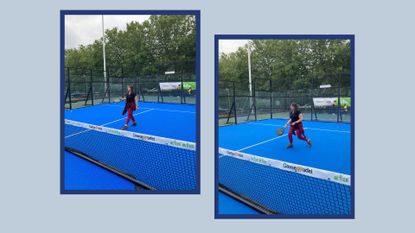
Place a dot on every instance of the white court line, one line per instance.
(71, 135)
(272, 139)
(316, 129)
(275, 138)
(328, 130)
(260, 143)
(256, 123)
(159, 109)
(126, 117)
(108, 123)
(170, 110)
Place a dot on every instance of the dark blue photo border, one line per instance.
(63, 13)
(352, 75)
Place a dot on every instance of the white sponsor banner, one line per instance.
(325, 86)
(325, 101)
(303, 170)
(133, 135)
(170, 86)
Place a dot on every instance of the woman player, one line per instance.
(296, 125)
(131, 104)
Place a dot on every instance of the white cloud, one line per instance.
(85, 29)
(229, 46)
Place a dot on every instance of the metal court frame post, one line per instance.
(69, 88)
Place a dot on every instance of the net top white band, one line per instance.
(133, 135)
(303, 170)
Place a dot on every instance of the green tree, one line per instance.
(291, 64)
(158, 44)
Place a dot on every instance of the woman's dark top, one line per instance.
(295, 116)
(130, 98)
(129, 102)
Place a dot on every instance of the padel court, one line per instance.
(157, 154)
(255, 168)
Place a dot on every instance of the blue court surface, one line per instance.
(83, 175)
(176, 121)
(254, 163)
(159, 152)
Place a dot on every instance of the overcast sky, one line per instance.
(85, 29)
(229, 46)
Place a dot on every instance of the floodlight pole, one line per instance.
(103, 53)
(249, 74)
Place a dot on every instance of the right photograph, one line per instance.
(284, 126)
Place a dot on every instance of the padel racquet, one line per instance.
(280, 131)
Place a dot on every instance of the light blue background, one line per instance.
(29, 151)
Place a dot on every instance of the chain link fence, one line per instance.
(330, 100)
(86, 87)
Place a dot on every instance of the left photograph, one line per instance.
(130, 102)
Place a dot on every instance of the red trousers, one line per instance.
(299, 130)
(130, 115)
